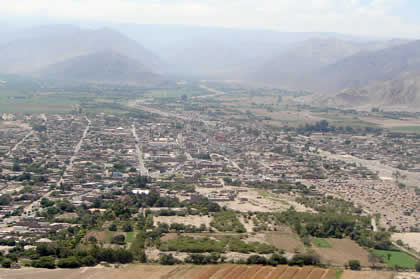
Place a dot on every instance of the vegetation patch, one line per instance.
(396, 258)
(226, 221)
(321, 242)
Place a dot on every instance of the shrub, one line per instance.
(44, 262)
(70, 262)
(127, 227)
(113, 227)
(168, 259)
(354, 265)
(226, 221)
(297, 259)
(6, 263)
(88, 261)
(277, 259)
(118, 239)
(255, 259)
(92, 239)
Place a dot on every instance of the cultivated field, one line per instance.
(174, 272)
(367, 275)
(342, 251)
(288, 242)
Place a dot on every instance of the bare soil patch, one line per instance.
(100, 236)
(342, 251)
(174, 272)
(411, 239)
(194, 220)
(366, 275)
(288, 242)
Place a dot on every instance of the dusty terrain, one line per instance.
(407, 275)
(187, 220)
(342, 251)
(256, 202)
(411, 239)
(173, 272)
(367, 275)
(289, 242)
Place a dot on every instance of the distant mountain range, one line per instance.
(315, 64)
(68, 52)
(346, 69)
(400, 92)
(105, 66)
(350, 73)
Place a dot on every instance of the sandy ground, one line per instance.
(342, 251)
(193, 272)
(255, 203)
(288, 242)
(130, 272)
(411, 239)
(384, 171)
(366, 275)
(407, 275)
(194, 220)
(248, 224)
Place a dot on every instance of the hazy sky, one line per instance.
(392, 18)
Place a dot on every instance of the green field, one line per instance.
(410, 129)
(175, 93)
(332, 116)
(393, 258)
(321, 242)
(129, 237)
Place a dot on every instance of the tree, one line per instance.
(45, 250)
(277, 259)
(88, 261)
(44, 262)
(354, 264)
(255, 259)
(418, 266)
(168, 259)
(16, 167)
(6, 263)
(118, 239)
(92, 239)
(113, 227)
(127, 227)
(70, 262)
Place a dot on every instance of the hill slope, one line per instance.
(402, 91)
(298, 66)
(44, 46)
(105, 66)
(289, 66)
(362, 69)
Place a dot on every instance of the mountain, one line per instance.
(303, 65)
(105, 66)
(289, 66)
(402, 91)
(220, 53)
(366, 67)
(42, 48)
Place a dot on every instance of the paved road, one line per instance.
(19, 143)
(212, 90)
(385, 171)
(28, 210)
(75, 152)
(139, 149)
(181, 143)
(227, 159)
